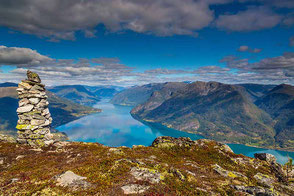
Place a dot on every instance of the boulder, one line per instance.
(265, 157)
(218, 145)
(264, 180)
(72, 180)
(225, 173)
(150, 175)
(255, 190)
(167, 142)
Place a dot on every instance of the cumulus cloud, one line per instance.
(274, 70)
(21, 56)
(61, 19)
(111, 71)
(252, 19)
(58, 20)
(247, 49)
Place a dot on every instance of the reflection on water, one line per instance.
(114, 126)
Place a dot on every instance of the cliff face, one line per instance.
(214, 110)
(169, 166)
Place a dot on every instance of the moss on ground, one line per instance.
(183, 170)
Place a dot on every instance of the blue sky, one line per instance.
(165, 41)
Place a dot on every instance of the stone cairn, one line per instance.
(33, 113)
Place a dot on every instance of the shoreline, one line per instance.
(154, 124)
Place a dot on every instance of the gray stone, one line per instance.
(33, 113)
(13, 180)
(218, 145)
(265, 157)
(26, 108)
(72, 180)
(19, 157)
(45, 112)
(146, 174)
(37, 87)
(264, 180)
(34, 100)
(36, 122)
(254, 190)
(23, 102)
(25, 85)
(226, 173)
(134, 189)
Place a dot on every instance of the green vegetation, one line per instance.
(225, 112)
(289, 168)
(76, 93)
(187, 169)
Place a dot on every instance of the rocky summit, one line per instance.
(34, 118)
(170, 166)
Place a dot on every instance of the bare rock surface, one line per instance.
(134, 189)
(146, 174)
(72, 180)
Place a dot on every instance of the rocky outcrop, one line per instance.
(265, 157)
(72, 180)
(276, 168)
(167, 142)
(181, 167)
(7, 138)
(33, 113)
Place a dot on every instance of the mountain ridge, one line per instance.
(234, 109)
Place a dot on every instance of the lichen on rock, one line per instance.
(33, 113)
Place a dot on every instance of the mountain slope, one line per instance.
(8, 84)
(62, 110)
(256, 91)
(279, 103)
(214, 110)
(138, 94)
(107, 91)
(76, 93)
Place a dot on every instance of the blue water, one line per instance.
(114, 126)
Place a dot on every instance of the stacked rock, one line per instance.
(33, 113)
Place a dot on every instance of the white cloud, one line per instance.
(253, 19)
(21, 56)
(61, 19)
(110, 71)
